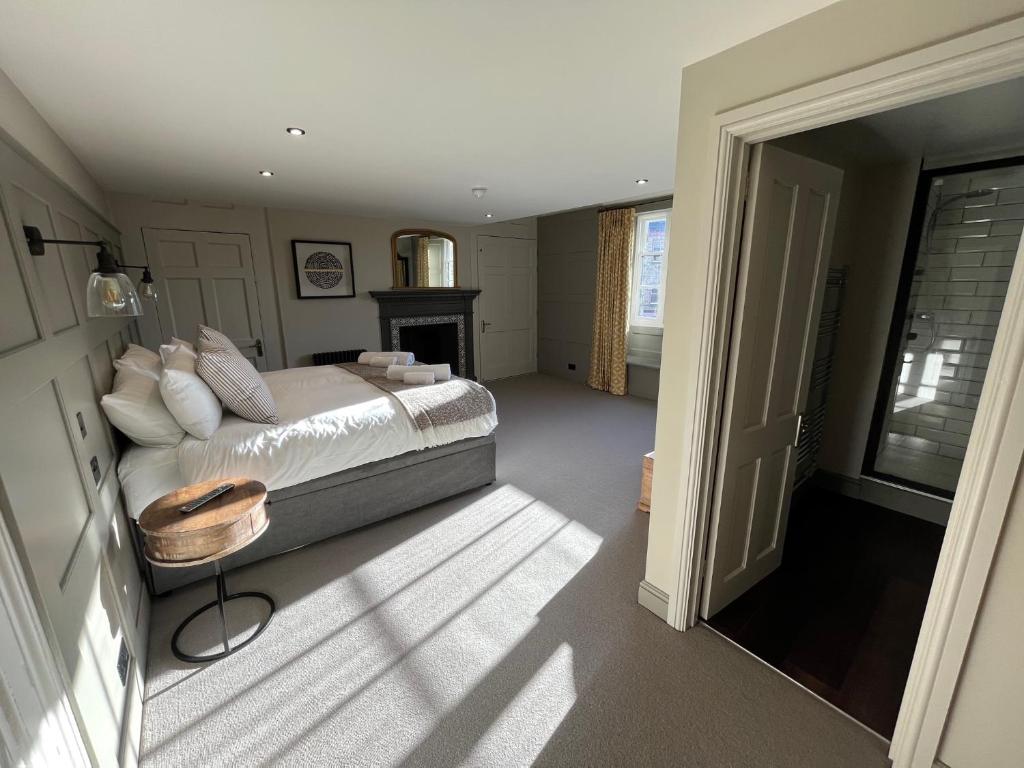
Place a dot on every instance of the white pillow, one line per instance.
(136, 408)
(166, 349)
(140, 359)
(189, 399)
(135, 352)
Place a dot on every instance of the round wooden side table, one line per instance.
(221, 526)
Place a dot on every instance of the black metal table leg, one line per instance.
(221, 593)
(222, 597)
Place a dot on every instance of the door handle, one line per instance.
(256, 345)
(799, 423)
(483, 326)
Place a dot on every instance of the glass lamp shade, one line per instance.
(111, 294)
(147, 290)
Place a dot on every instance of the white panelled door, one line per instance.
(208, 278)
(507, 268)
(787, 240)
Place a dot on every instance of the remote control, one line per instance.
(195, 504)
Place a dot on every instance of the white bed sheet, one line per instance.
(330, 420)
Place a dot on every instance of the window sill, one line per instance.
(643, 362)
(647, 330)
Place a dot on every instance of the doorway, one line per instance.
(507, 270)
(831, 588)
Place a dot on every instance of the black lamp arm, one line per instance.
(37, 247)
(37, 243)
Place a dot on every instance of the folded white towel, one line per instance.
(418, 377)
(383, 361)
(442, 371)
(405, 358)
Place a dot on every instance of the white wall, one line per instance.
(296, 328)
(69, 528)
(984, 726)
(27, 131)
(873, 250)
(837, 39)
(323, 325)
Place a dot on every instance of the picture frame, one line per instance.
(323, 269)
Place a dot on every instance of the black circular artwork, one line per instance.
(324, 270)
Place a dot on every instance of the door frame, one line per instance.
(994, 454)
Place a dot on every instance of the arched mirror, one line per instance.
(424, 258)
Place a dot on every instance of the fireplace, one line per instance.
(432, 342)
(436, 325)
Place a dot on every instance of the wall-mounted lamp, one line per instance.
(109, 292)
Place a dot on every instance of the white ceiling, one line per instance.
(552, 104)
(980, 120)
(944, 131)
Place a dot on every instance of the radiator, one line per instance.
(812, 427)
(341, 356)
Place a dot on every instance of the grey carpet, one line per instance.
(498, 628)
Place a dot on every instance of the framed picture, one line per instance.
(323, 269)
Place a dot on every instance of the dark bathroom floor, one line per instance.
(842, 614)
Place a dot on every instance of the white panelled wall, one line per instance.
(59, 494)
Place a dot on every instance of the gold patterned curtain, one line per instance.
(615, 232)
(422, 262)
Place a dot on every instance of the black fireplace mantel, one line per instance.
(397, 306)
(409, 302)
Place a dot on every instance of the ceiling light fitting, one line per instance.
(488, 215)
(295, 131)
(479, 192)
(642, 181)
(266, 173)
(109, 292)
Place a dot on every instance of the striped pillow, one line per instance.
(233, 379)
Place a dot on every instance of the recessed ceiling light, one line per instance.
(641, 181)
(266, 173)
(488, 215)
(295, 131)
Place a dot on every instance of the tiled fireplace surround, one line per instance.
(442, 307)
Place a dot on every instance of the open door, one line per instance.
(787, 240)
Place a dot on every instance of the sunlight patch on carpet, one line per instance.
(373, 661)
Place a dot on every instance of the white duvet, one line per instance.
(330, 420)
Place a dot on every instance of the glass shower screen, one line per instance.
(947, 312)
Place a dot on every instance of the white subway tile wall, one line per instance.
(963, 267)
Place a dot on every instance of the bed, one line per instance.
(346, 453)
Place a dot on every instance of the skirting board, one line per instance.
(902, 500)
(653, 599)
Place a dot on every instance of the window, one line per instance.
(649, 254)
(441, 261)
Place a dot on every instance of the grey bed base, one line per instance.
(321, 508)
